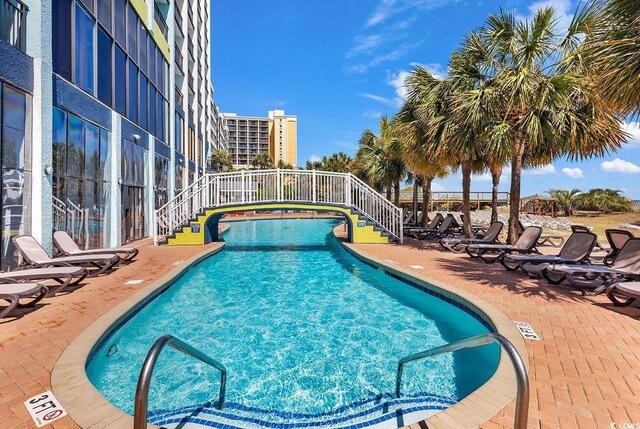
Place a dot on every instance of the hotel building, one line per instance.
(275, 135)
(106, 113)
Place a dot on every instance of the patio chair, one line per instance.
(617, 239)
(476, 229)
(553, 240)
(629, 291)
(64, 276)
(526, 244)
(14, 292)
(34, 256)
(458, 245)
(65, 244)
(413, 231)
(576, 250)
(626, 266)
(443, 230)
(582, 228)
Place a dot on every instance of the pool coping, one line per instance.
(89, 408)
(500, 390)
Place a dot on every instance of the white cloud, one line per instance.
(377, 60)
(372, 114)
(633, 129)
(396, 80)
(574, 173)
(314, 158)
(365, 45)
(564, 11)
(619, 166)
(541, 171)
(486, 176)
(389, 8)
(437, 187)
(435, 69)
(378, 98)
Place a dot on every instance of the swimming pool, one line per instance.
(310, 336)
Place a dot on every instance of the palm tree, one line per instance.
(284, 165)
(566, 200)
(604, 200)
(220, 160)
(379, 159)
(545, 103)
(262, 161)
(612, 49)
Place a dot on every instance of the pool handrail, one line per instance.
(522, 381)
(144, 379)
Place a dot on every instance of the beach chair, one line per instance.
(65, 244)
(526, 244)
(458, 245)
(617, 239)
(628, 291)
(576, 250)
(582, 228)
(14, 292)
(64, 276)
(413, 231)
(443, 230)
(626, 266)
(553, 240)
(34, 256)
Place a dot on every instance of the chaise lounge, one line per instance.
(628, 290)
(14, 292)
(526, 244)
(65, 244)
(576, 250)
(34, 256)
(64, 276)
(413, 231)
(458, 245)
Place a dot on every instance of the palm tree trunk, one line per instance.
(514, 193)
(414, 217)
(466, 197)
(389, 192)
(496, 171)
(426, 200)
(396, 193)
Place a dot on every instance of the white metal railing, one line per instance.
(273, 186)
(71, 218)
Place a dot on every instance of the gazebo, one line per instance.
(538, 204)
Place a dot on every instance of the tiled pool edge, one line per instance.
(500, 390)
(69, 381)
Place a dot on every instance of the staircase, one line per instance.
(372, 218)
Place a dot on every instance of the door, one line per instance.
(133, 221)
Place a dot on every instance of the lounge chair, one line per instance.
(458, 245)
(34, 256)
(65, 244)
(526, 244)
(14, 292)
(576, 250)
(443, 230)
(413, 231)
(476, 228)
(617, 239)
(628, 290)
(65, 276)
(553, 240)
(625, 267)
(582, 228)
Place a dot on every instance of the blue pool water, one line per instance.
(307, 332)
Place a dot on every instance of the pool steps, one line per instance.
(381, 412)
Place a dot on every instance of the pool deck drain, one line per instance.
(585, 373)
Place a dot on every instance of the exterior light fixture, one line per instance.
(136, 136)
(48, 170)
(119, 181)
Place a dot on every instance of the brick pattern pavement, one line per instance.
(584, 373)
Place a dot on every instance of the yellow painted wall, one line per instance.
(292, 142)
(143, 12)
(362, 233)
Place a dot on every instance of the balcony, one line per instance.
(13, 23)
(179, 59)
(179, 97)
(162, 23)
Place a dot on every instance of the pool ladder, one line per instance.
(522, 392)
(144, 379)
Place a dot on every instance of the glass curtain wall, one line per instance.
(16, 172)
(133, 191)
(161, 180)
(80, 188)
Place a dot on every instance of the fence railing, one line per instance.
(13, 23)
(271, 186)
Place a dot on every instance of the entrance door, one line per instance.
(132, 213)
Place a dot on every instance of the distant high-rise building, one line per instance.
(250, 136)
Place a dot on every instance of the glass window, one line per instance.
(75, 147)
(179, 126)
(179, 177)
(161, 171)
(142, 48)
(132, 33)
(59, 141)
(104, 154)
(152, 62)
(104, 13)
(121, 81)
(104, 67)
(14, 108)
(159, 70)
(61, 44)
(159, 122)
(133, 92)
(152, 110)
(119, 15)
(143, 102)
(91, 151)
(84, 50)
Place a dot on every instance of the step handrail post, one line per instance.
(522, 381)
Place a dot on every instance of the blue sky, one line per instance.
(339, 65)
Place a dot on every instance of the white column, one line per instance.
(113, 211)
(150, 181)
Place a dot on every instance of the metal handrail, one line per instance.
(144, 379)
(522, 394)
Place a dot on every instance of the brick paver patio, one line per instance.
(584, 373)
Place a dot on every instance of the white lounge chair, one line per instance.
(65, 244)
(14, 292)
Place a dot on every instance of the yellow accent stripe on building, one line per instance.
(143, 12)
(361, 232)
(162, 43)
